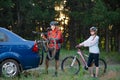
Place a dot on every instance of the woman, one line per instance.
(92, 43)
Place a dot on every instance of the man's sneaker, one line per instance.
(46, 72)
(55, 75)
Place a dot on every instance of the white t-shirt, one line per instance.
(92, 42)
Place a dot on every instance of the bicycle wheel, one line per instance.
(102, 67)
(66, 65)
(41, 57)
(51, 48)
(42, 48)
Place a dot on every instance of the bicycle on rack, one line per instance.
(43, 46)
(71, 64)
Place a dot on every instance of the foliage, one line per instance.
(113, 70)
(26, 13)
(23, 16)
(99, 13)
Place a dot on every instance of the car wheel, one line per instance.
(9, 68)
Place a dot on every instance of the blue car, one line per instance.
(16, 54)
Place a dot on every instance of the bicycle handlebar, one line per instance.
(34, 32)
(41, 41)
(78, 47)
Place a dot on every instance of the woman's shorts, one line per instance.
(93, 57)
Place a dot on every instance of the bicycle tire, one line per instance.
(42, 48)
(102, 67)
(67, 68)
(41, 57)
(51, 51)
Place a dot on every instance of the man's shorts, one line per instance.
(56, 55)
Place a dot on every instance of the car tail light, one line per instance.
(35, 48)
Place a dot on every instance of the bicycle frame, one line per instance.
(45, 45)
(46, 48)
(82, 57)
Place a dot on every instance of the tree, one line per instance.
(25, 15)
(77, 12)
(6, 12)
(99, 13)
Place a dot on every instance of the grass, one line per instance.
(112, 73)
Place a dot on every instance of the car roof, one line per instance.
(10, 35)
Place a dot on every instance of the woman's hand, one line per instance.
(78, 46)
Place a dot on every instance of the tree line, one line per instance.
(24, 16)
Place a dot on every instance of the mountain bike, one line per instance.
(43, 46)
(72, 65)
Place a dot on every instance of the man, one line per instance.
(56, 34)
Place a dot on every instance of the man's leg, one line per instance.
(56, 65)
(57, 62)
(47, 62)
(46, 65)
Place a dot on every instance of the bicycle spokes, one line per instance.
(51, 48)
(102, 67)
(70, 65)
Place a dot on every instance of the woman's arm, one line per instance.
(91, 42)
(84, 43)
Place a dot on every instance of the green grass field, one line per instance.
(113, 70)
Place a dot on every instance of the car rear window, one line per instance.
(3, 37)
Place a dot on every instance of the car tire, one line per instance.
(9, 68)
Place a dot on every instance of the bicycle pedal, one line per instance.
(86, 68)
